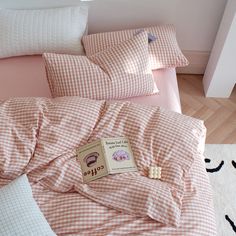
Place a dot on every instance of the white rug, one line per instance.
(221, 167)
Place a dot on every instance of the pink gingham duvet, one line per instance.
(39, 137)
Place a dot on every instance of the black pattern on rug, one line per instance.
(221, 166)
(231, 223)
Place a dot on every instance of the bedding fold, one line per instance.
(39, 137)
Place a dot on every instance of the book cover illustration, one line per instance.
(106, 156)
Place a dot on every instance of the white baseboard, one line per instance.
(197, 62)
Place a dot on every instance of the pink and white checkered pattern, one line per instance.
(46, 133)
(118, 72)
(163, 52)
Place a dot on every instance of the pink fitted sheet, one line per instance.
(26, 77)
(168, 96)
(23, 77)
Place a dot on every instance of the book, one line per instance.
(106, 156)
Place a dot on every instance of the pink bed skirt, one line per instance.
(26, 77)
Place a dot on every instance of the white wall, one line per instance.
(196, 21)
(220, 76)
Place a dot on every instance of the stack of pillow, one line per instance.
(117, 64)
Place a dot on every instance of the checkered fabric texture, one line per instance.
(34, 31)
(20, 214)
(40, 136)
(118, 72)
(164, 52)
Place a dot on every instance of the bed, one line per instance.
(47, 114)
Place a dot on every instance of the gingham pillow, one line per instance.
(164, 51)
(20, 214)
(118, 72)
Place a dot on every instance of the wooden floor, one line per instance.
(219, 114)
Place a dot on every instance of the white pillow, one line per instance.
(29, 32)
(19, 213)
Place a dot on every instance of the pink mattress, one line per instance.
(25, 77)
